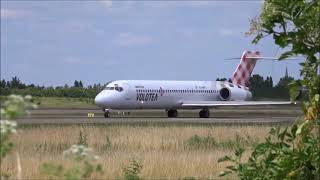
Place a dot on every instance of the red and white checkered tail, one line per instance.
(243, 72)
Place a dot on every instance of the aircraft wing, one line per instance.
(233, 103)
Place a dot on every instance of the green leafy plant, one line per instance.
(84, 165)
(132, 171)
(15, 106)
(7, 128)
(294, 154)
(279, 157)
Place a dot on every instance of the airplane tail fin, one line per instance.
(243, 72)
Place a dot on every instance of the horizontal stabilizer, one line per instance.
(264, 58)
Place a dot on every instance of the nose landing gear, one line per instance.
(106, 113)
(204, 113)
(172, 113)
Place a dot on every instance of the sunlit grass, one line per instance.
(164, 151)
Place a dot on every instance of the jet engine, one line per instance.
(234, 93)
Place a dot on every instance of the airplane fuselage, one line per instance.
(147, 94)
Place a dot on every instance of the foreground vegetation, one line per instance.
(294, 153)
(169, 152)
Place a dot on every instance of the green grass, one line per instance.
(60, 102)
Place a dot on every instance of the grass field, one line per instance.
(61, 102)
(166, 152)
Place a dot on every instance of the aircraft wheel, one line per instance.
(205, 113)
(172, 113)
(106, 114)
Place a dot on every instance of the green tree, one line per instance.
(282, 88)
(76, 83)
(16, 83)
(261, 88)
(80, 84)
(3, 83)
(294, 25)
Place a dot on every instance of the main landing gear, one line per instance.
(204, 113)
(172, 113)
(106, 113)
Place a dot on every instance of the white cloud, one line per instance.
(9, 13)
(129, 39)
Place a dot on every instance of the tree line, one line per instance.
(260, 88)
(77, 90)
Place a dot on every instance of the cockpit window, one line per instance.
(117, 88)
(109, 88)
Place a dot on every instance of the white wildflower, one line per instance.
(79, 152)
(28, 97)
(7, 127)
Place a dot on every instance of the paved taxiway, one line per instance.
(223, 116)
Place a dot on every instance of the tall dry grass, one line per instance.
(162, 150)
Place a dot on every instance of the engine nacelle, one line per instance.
(234, 93)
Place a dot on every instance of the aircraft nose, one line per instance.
(98, 100)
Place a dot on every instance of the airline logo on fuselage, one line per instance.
(147, 97)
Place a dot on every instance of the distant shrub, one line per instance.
(82, 139)
(132, 171)
(207, 142)
(197, 141)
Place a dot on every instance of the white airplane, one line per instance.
(174, 95)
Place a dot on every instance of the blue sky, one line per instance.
(56, 42)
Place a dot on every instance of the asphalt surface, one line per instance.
(221, 116)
